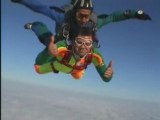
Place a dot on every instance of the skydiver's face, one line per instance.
(83, 16)
(83, 45)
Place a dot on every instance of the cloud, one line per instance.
(30, 102)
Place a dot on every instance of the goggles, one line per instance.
(80, 16)
(79, 42)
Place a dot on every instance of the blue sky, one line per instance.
(133, 45)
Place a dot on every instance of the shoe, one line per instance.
(28, 26)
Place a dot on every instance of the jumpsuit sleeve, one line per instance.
(44, 60)
(115, 17)
(99, 64)
(39, 7)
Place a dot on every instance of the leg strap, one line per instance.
(53, 68)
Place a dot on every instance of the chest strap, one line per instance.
(67, 57)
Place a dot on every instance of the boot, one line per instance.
(28, 26)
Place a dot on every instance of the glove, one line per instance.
(16, 1)
(143, 16)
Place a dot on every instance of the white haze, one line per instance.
(30, 102)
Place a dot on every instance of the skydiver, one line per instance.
(82, 14)
(72, 59)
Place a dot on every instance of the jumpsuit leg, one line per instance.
(42, 32)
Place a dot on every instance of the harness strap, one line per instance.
(53, 68)
(66, 59)
(88, 60)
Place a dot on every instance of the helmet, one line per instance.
(85, 4)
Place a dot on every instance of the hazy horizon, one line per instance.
(24, 101)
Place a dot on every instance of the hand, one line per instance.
(109, 71)
(16, 1)
(143, 16)
(52, 47)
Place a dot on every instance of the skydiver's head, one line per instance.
(83, 42)
(83, 10)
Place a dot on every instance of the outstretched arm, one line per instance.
(39, 7)
(109, 71)
(104, 71)
(119, 16)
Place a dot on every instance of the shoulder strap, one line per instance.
(88, 60)
(67, 58)
(93, 17)
(68, 7)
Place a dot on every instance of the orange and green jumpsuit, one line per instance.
(66, 62)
